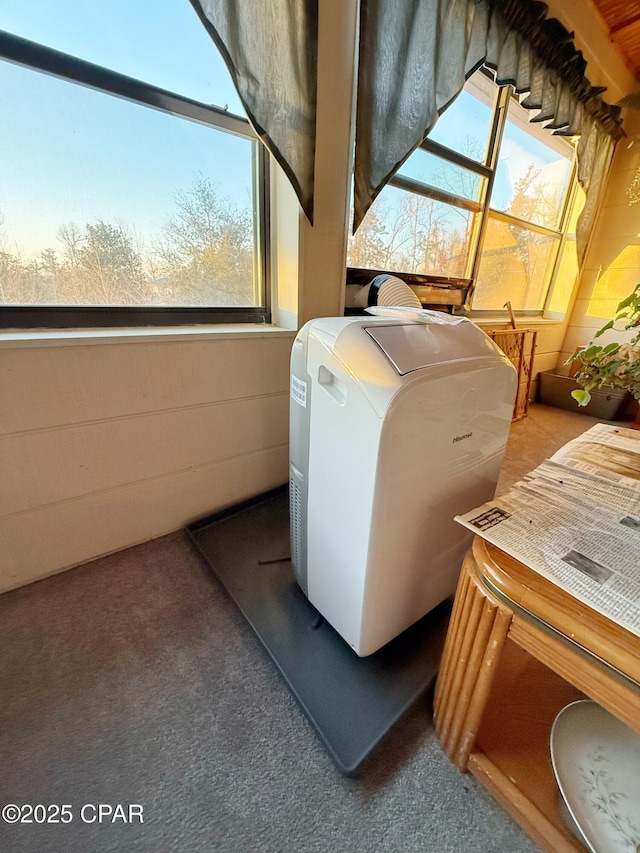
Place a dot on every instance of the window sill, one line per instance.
(522, 322)
(86, 337)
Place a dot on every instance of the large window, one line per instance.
(427, 219)
(486, 199)
(526, 216)
(123, 202)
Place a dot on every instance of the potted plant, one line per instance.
(614, 364)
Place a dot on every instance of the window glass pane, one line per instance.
(532, 175)
(464, 126)
(565, 277)
(428, 169)
(104, 202)
(161, 42)
(515, 266)
(567, 268)
(404, 232)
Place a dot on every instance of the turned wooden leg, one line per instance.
(477, 632)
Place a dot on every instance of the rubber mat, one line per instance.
(351, 702)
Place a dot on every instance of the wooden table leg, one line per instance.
(477, 633)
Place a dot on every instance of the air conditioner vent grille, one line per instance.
(295, 512)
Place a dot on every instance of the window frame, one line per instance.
(47, 60)
(487, 170)
(412, 185)
(505, 95)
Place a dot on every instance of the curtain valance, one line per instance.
(414, 58)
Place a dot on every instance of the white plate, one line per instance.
(596, 759)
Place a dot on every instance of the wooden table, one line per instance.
(519, 649)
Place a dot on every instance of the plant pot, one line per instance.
(608, 404)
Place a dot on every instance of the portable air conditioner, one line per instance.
(399, 422)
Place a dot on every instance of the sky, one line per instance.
(160, 41)
(465, 126)
(71, 154)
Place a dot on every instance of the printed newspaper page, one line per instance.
(612, 453)
(576, 520)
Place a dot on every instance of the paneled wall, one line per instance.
(111, 443)
(612, 267)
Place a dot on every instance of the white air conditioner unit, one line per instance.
(398, 423)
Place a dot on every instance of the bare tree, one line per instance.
(368, 243)
(515, 257)
(71, 238)
(100, 265)
(206, 257)
(415, 235)
(207, 252)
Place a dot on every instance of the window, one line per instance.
(484, 199)
(162, 43)
(426, 220)
(123, 203)
(525, 220)
(408, 231)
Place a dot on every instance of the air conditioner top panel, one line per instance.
(412, 346)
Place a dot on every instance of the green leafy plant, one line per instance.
(616, 364)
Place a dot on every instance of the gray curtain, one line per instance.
(595, 150)
(271, 49)
(415, 56)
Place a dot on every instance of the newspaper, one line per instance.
(576, 520)
(608, 452)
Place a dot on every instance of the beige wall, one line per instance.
(612, 265)
(617, 222)
(112, 443)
